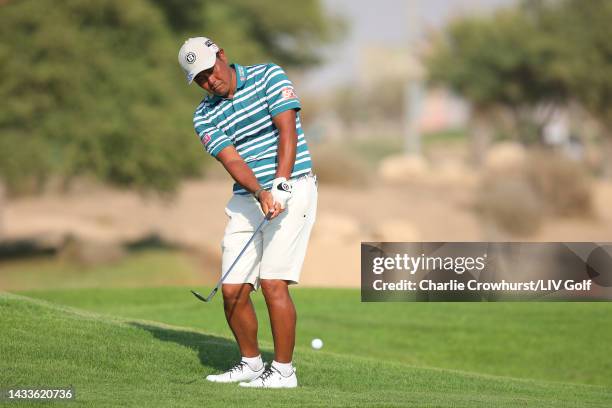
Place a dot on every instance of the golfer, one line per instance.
(250, 123)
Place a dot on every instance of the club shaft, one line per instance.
(263, 222)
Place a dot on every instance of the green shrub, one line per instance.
(511, 204)
(519, 199)
(562, 185)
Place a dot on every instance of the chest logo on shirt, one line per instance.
(288, 93)
(206, 139)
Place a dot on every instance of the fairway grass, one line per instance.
(553, 341)
(126, 361)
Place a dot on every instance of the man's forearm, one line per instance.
(243, 175)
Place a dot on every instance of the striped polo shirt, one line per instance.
(245, 121)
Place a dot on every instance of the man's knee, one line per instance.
(236, 293)
(275, 290)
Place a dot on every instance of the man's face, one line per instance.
(216, 80)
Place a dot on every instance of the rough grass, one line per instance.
(112, 361)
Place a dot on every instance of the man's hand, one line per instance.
(281, 191)
(268, 205)
(238, 169)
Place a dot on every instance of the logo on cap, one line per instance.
(190, 57)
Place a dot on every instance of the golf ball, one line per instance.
(316, 344)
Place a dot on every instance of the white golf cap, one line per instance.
(197, 55)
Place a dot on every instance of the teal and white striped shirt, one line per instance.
(245, 121)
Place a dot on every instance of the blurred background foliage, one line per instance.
(511, 105)
(529, 60)
(94, 90)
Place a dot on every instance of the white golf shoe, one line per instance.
(272, 378)
(239, 372)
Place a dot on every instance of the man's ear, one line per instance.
(221, 55)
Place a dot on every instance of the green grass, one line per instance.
(372, 151)
(449, 136)
(551, 341)
(154, 267)
(114, 361)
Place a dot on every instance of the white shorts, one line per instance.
(278, 250)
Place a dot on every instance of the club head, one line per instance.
(196, 294)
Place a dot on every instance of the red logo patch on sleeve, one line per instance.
(206, 139)
(288, 93)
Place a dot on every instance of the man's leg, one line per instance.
(244, 216)
(285, 241)
(241, 317)
(282, 317)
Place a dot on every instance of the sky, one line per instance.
(389, 22)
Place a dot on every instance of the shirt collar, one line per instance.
(240, 76)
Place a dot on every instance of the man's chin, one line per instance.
(220, 91)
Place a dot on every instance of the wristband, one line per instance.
(257, 192)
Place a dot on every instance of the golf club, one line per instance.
(214, 291)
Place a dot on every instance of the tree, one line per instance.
(288, 33)
(503, 63)
(584, 57)
(93, 88)
(90, 91)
